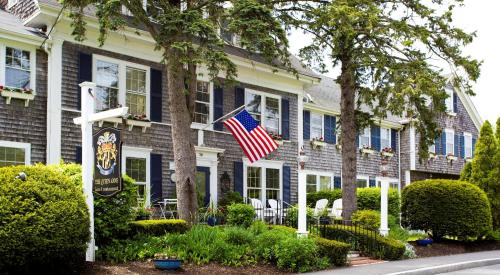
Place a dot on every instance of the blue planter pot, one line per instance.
(167, 264)
(212, 221)
(424, 242)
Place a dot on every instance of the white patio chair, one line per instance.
(260, 211)
(274, 208)
(320, 207)
(336, 209)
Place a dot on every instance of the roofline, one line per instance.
(469, 106)
(21, 37)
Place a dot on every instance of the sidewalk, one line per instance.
(425, 265)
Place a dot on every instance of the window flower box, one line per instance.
(451, 158)
(138, 121)
(277, 138)
(16, 93)
(114, 120)
(367, 151)
(432, 156)
(387, 153)
(318, 143)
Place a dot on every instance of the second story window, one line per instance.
(385, 138)
(265, 109)
(449, 100)
(136, 91)
(107, 85)
(364, 138)
(468, 145)
(202, 106)
(432, 148)
(450, 141)
(17, 68)
(316, 126)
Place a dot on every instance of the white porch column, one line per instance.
(88, 107)
(54, 102)
(301, 188)
(384, 190)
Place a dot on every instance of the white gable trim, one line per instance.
(469, 106)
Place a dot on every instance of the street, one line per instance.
(485, 270)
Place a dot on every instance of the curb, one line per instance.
(449, 267)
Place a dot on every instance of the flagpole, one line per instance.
(224, 116)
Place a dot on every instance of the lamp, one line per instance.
(302, 159)
(384, 167)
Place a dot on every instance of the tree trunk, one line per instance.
(184, 153)
(348, 139)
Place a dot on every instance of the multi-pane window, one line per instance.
(136, 91)
(264, 109)
(311, 183)
(263, 183)
(450, 141)
(315, 182)
(468, 145)
(17, 68)
(385, 138)
(136, 169)
(107, 85)
(316, 126)
(362, 182)
(325, 183)
(272, 183)
(449, 100)
(202, 105)
(254, 181)
(364, 138)
(12, 156)
(432, 148)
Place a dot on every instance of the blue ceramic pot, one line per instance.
(424, 242)
(167, 264)
(212, 221)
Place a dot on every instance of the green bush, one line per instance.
(230, 198)
(240, 214)
(292, 216)
(111, 215)
(369, 219)
(366, 241)
(368, 199)
(238, 235)
(44, 220)
(158, 227)
(446, 208)
(334, 250)
(299, 255)
(258, 227)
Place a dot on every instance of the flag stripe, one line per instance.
(268, 147)
(243, 135)
(270, 141)
(239, 139)
(252, 139)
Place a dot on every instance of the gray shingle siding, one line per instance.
(28, 124)
(24, 8)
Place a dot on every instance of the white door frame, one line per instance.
(208, 157)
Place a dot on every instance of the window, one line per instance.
(254, 182)
(450, 141)
(432, 148)
(14, 153)
(17, 68)
(385, 138)
(263, 181)
(316, 125)
(272, 184)
(362, 182)
(311, 183)
(264, 108)
(325, 183)
(202, 105)
(317, 181)
(121, 83)
(449, 100)
(468, 145)
(136, 163)
(364, 138)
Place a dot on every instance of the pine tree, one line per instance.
(466, 173)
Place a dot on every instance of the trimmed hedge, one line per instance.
(336, 251)
(240, 214)
(369, 219)
(368, 199)
(44, 221)
(366, 241)
(446, 208)
(158, 227)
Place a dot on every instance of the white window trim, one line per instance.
(264, 164)
(122, 78)
(450, 134)
(389, 180)
(390, 137)
(449, 101)
(369, 138)
(199, 126)
(19, 145)
(263, 103)
(367, 178)
(136, 152)
(20, 46)
(319, 174)
(468, 135)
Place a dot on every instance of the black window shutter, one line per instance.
(329, 129)
(78, 154)
(443, 144)
(473, 145)
(156, 178)
(285, 119)
(337, 182)
(456, 152)
(156, 95)
(462, 146)
(239, 96)
(84, 73)
(375, 136)
(286, 184)
(455, 102)
(307, 125)
(437, 145)
(372, 182)
(218, 107)
(334, 129)
(393, 140)
(238, 177)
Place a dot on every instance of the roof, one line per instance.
(11, 23)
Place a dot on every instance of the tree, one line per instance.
(187, 33)
(385, 50)
(466, 173)
(498, 130)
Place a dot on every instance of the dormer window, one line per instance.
(228, 36)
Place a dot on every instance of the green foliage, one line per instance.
(292, 215)
(446, 208)
(158, 227)
(44, 220)
(238, 235)
(334, 250)
(299, 255)
(368, 199)
(369, 219)
(240, 214)
(258, 227)
(230, 198)
(466, 173)
(368, 242)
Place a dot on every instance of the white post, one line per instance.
(88, 107)
(302, 193)
(54, 102)
(384, 190)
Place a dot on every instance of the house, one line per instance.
(37, 126)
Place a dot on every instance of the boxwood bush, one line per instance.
(369, 219)
(44, 220)
(240, 214)
(336, 251)
(368, 199)
(446, 208)
(158, 227)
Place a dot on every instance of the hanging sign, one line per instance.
(107, 162)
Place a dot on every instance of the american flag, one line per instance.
(253, 139)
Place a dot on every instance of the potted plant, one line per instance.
(166, 261)
(450, 157)
(367, 150)
(387, 152)
(138, 121)
(318, 142)
(432, 156)
(213, 214)
(143, 213)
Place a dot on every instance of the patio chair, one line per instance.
(336, 209)
(320, 207)
(260, 211)
(274, 208)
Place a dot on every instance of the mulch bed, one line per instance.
(147, 268)
(450, 247)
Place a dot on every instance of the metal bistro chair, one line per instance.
(168, 207)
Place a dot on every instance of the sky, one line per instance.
(477, 15)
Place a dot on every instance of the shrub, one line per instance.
(44, 220)
(292, 216)
(369, 219)
(240, 214)
(334, 250)
(330, 195)
(111, 215)
(265, 243)
(238, 235)
(158, 227)
(446, 208)
(230, 198)
(367, 241)
(299, 254)
(258, 227)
